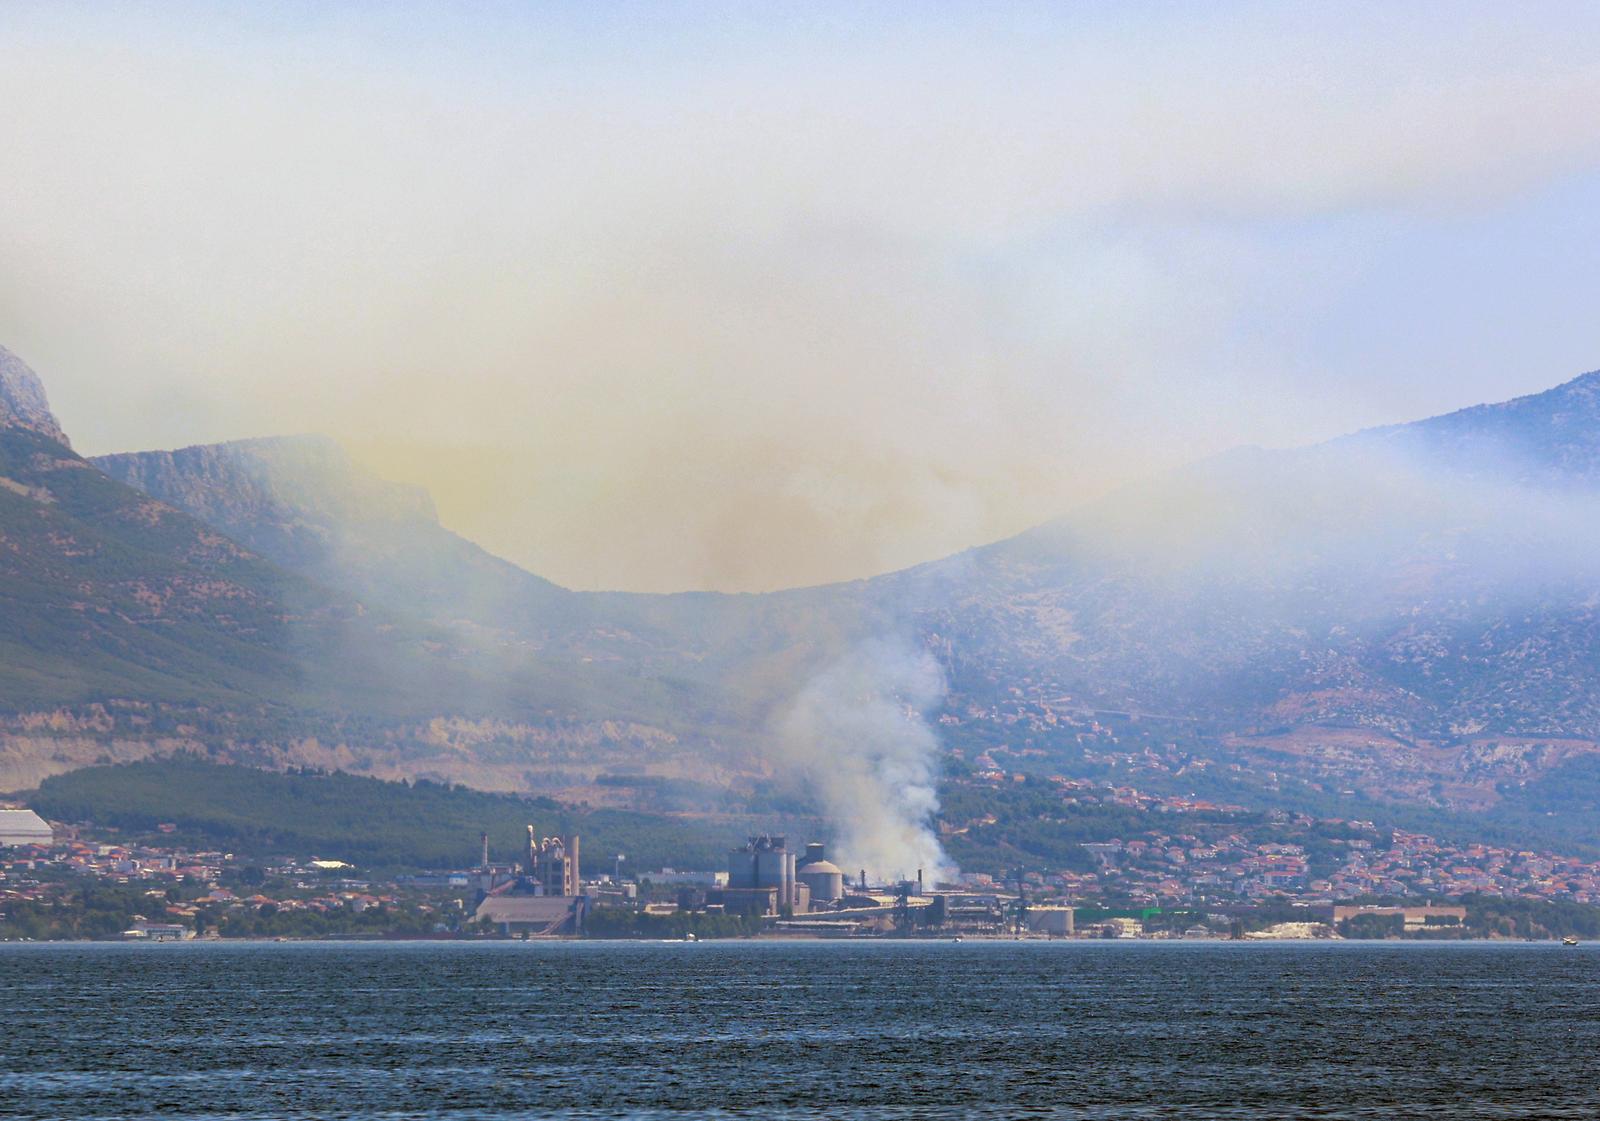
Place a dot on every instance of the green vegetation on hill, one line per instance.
(368, 822)
(102, 596)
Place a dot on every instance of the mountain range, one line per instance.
(1405, 616)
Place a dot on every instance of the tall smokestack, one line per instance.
(573, 883)
(920, 892)
(484, 840)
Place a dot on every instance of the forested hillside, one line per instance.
(371, 823)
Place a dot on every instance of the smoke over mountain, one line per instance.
(858, 731)
(698, 313)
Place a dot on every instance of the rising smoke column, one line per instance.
(858, 730)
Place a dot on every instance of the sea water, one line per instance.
(794, 1029)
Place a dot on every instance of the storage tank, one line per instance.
(822, 876)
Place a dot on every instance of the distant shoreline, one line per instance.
(793, 940)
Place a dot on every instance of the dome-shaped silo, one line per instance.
(824, 879)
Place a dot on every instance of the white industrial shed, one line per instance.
(24, 827)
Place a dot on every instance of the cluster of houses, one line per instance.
(1180, 868)
(1172, 866)
(34, 855)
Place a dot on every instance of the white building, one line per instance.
(24, 827)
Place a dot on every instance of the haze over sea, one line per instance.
(879, 1030)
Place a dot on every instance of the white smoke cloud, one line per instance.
(858, 730)
(659, 299)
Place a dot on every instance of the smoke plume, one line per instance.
(858, 730)
(743, 301)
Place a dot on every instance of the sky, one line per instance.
(666, 297)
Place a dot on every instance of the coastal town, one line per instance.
(1191, 868)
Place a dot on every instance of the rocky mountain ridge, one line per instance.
(1410, 613)
(300, 502)
(1549, 438)
(1384, 579)
(23, 403)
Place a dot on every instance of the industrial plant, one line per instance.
(541, 896)
(766, 883)
(808, 894)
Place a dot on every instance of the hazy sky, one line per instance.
(746, 296)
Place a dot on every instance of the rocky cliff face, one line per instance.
(291, 499)
(22, 400)
(302, 503)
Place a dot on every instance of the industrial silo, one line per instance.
(775, 868)
(822, 876)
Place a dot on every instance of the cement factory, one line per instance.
(543, 895)
(797, 894)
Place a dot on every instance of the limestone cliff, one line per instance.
(22, 400)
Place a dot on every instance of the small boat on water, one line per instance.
(1569, 941)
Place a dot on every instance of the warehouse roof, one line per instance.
(549, 911)
(24, 827)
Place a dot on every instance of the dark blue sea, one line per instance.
(776, 1030)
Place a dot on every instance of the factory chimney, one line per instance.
(920, 892)
(573, 884)
(483, 838)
